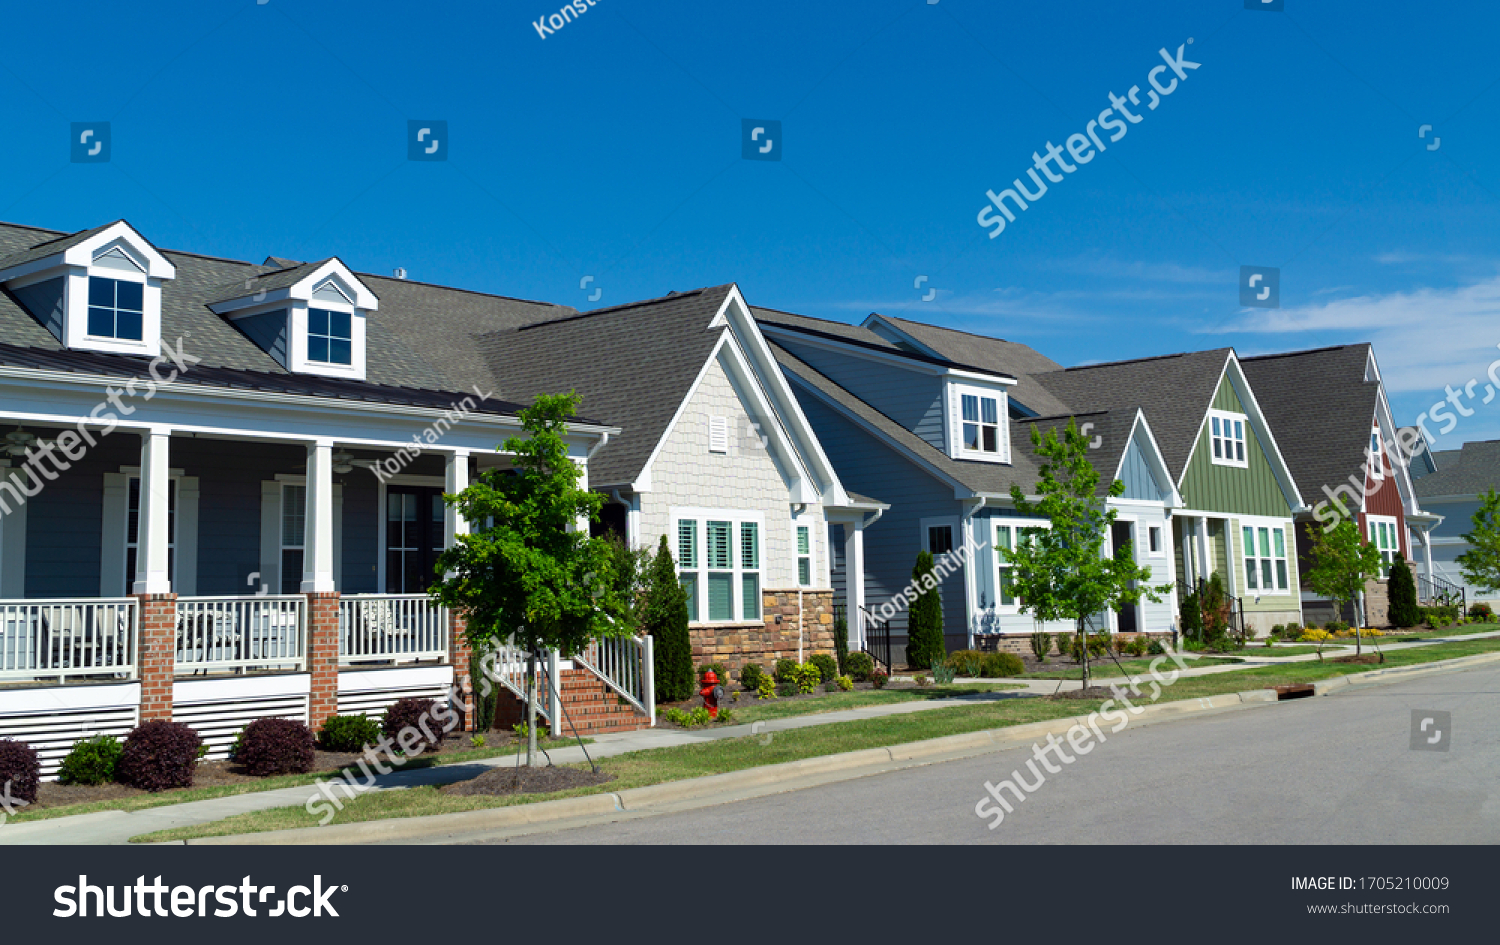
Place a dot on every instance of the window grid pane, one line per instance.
(687, 543)
(718, 540)
(720, 596)
(750, 596)
(803, 542)
(749, 545)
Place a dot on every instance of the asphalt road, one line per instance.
(1333, 769)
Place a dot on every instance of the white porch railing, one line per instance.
(505, 665)
(626, 664)
(391, 628)
(43, 640)
(239, 634)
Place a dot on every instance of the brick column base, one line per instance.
(459, 654)
(323, 656)
(158, 654)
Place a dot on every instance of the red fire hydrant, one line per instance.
(711, 692)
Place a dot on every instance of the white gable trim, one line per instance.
(82, 254)
(302, 291)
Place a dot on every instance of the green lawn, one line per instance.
(1108, 669)
(749, 709)
(1255, 651)
(638, 769)
(186, 795)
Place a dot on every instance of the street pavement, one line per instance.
(1335, 769)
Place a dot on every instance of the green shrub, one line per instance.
(665, 617)
(690, 719)
(924, 634)
(921, 680)
(486, 697)
(1155, 648)
(92, 761)
(20, 769)
(158, 756)
(1336, 626)
(943, 672)
(1190, 615)
(1482, 611)
(879, 678)
(860, 666)
(845, 683)
(786, 670)
(806, 678)
(788, 689)
(1098, 645)
(720, 671)
(1041, 645)
(1138, 645)
(349, 733)
(1402, 591)
(276, 746)
(766, 688)
(828, 667)
(966, 662)
(841, 642)
(1292, 631)
(750, 676)
(1002, 665)
(1278, 630)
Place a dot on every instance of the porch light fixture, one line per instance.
(17, 443)
(343, 463)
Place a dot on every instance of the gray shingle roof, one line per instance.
(1472, 470)
(1321, 408)
(265, 281)
(1175, 392)
(634, 365)
(842, 330)
(50, 246)
(422, 337)
(1009, 357)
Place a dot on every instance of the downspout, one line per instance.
(603, 439)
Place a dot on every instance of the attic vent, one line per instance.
(718, 434)
(400, 273)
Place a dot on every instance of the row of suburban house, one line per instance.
(220, 485)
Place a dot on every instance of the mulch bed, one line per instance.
(219, 773)
(1092, 692)
(1362, 658)
(523, 780)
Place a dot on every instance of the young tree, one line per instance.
(1062, 573)
(924, 622)
(1341, 561)
(664, 615)
(526, 572)
(1403, 594)
(1481, 563)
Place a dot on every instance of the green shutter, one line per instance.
(749, 545)
(718, 541)
(687, 543)
(720, 596)
(750, 588)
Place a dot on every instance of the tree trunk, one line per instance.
(531, 709)
(1084, 652)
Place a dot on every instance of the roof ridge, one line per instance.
(1305, 351)
(956, 331)
(613, 309)
(893, 351)
(1158, 357)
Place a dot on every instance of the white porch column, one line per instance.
(152, 571)
(854, 581)
(455, 480)
(1427, 551)
(317, 547)
(1205, 557)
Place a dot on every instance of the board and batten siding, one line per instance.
(685, 474)
(912, 399)
(1136, 474)
(1231, 489)
(868, 466)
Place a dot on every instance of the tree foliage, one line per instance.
(1481, 563)
(664, 615)
(1340, 562)
(1062, 573)
(924, 626)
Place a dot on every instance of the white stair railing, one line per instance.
(504, 664)
(625, 665)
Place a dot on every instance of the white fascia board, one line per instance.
(82, 254)
(735, 362)
(773, 380)
(1263, 429)
(960, 490)
(1153, 458)
(1385, 420)
(876, 318)
(977, 377)
(642, 482)
(66, 399)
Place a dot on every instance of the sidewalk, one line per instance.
(120, 826)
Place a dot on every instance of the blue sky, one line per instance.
(612, 149)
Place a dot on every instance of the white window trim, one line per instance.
(1014, 524)
(183, 541)
(1160, 551)
(1289, 555)
(923, 538)
(271, 493)
(956, 393)
(1372, 536)
(701, 517)
(718, 434)
(797, 556)
(1244, 441)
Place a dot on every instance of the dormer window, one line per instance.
(330, 336)
(116, 309)
(96, 290)
(309, 317)
(979, 428)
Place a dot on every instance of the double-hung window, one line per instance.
(719, 565)
(981, 424)
(1227, 435)
(133, 525)
(804, 556)
(330, 336)
(1384, 537)
(116, 308)
(1009, 537)
(1265, 558)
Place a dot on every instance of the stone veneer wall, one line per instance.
(765, 642)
